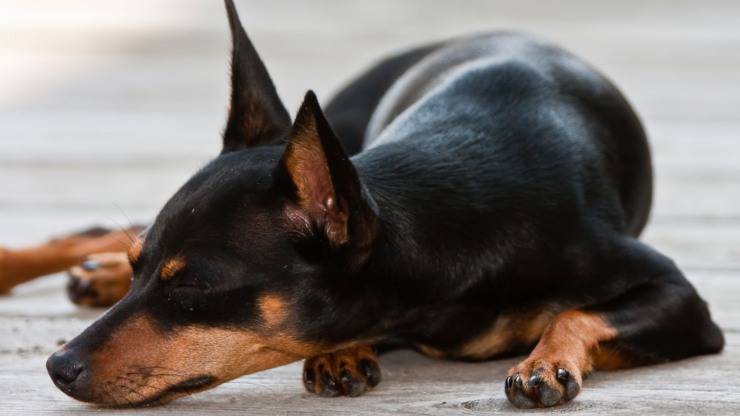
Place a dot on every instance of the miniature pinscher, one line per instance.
(492, 207)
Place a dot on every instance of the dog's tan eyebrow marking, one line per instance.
(171, 267)
(272, 309)
(134, 251)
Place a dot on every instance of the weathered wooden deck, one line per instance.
(106, 107)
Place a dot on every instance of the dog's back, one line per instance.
(492, 89)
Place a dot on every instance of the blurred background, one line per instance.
(106, 107)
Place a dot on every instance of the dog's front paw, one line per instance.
(101, 280)
(349, 372)
(537, 382)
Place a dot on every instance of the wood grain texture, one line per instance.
(107, 107)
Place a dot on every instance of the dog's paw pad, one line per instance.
(101, 280)
(537, 383)
(350, 372)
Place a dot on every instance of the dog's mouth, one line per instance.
(183, 388)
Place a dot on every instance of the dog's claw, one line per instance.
(308, 376)
(518, 381)
(571, 384)
(534, 381)
(330, 387)
(371, 370)
(90, 265)
(562, 375)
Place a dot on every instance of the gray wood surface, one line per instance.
(106, 107)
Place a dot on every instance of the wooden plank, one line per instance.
(414, 385)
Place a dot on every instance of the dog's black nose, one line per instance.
(65, 368)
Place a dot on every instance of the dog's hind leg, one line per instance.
(660, 318)
(24, 264)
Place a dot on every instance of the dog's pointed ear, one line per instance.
(256, 115)
(324, 185)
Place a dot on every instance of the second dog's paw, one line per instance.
(101, 280)
(349, 372)
(5, 283)
(542, 383)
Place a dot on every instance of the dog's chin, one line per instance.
(175, 391)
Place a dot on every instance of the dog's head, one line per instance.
(246, 267)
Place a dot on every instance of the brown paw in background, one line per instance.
(5, 283)
(101, 280)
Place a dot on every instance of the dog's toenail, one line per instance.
(345, 377)
(90, 265)
(508, 383)
(371, 371)
(534, 381)
(328, 380)
(518, 381)
(563, 375)
(308, 377)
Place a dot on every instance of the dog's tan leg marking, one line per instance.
(568, 350)
(346, 372)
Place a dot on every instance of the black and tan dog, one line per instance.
(492, 207)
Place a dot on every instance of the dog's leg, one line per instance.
(659, 319)
(21, 265)
(347, 372)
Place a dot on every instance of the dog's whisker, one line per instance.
(128, 219)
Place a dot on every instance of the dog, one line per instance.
(492, 207)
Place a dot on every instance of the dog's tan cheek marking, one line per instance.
(508, 331)
(171, 267)
(138, 361)
(273, 309)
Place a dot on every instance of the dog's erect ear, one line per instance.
(324, 184)
(257, 116)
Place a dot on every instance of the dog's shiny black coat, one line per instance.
(491, 174)
(523, 178)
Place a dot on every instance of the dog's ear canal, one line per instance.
(326, 191)
(256, 115)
